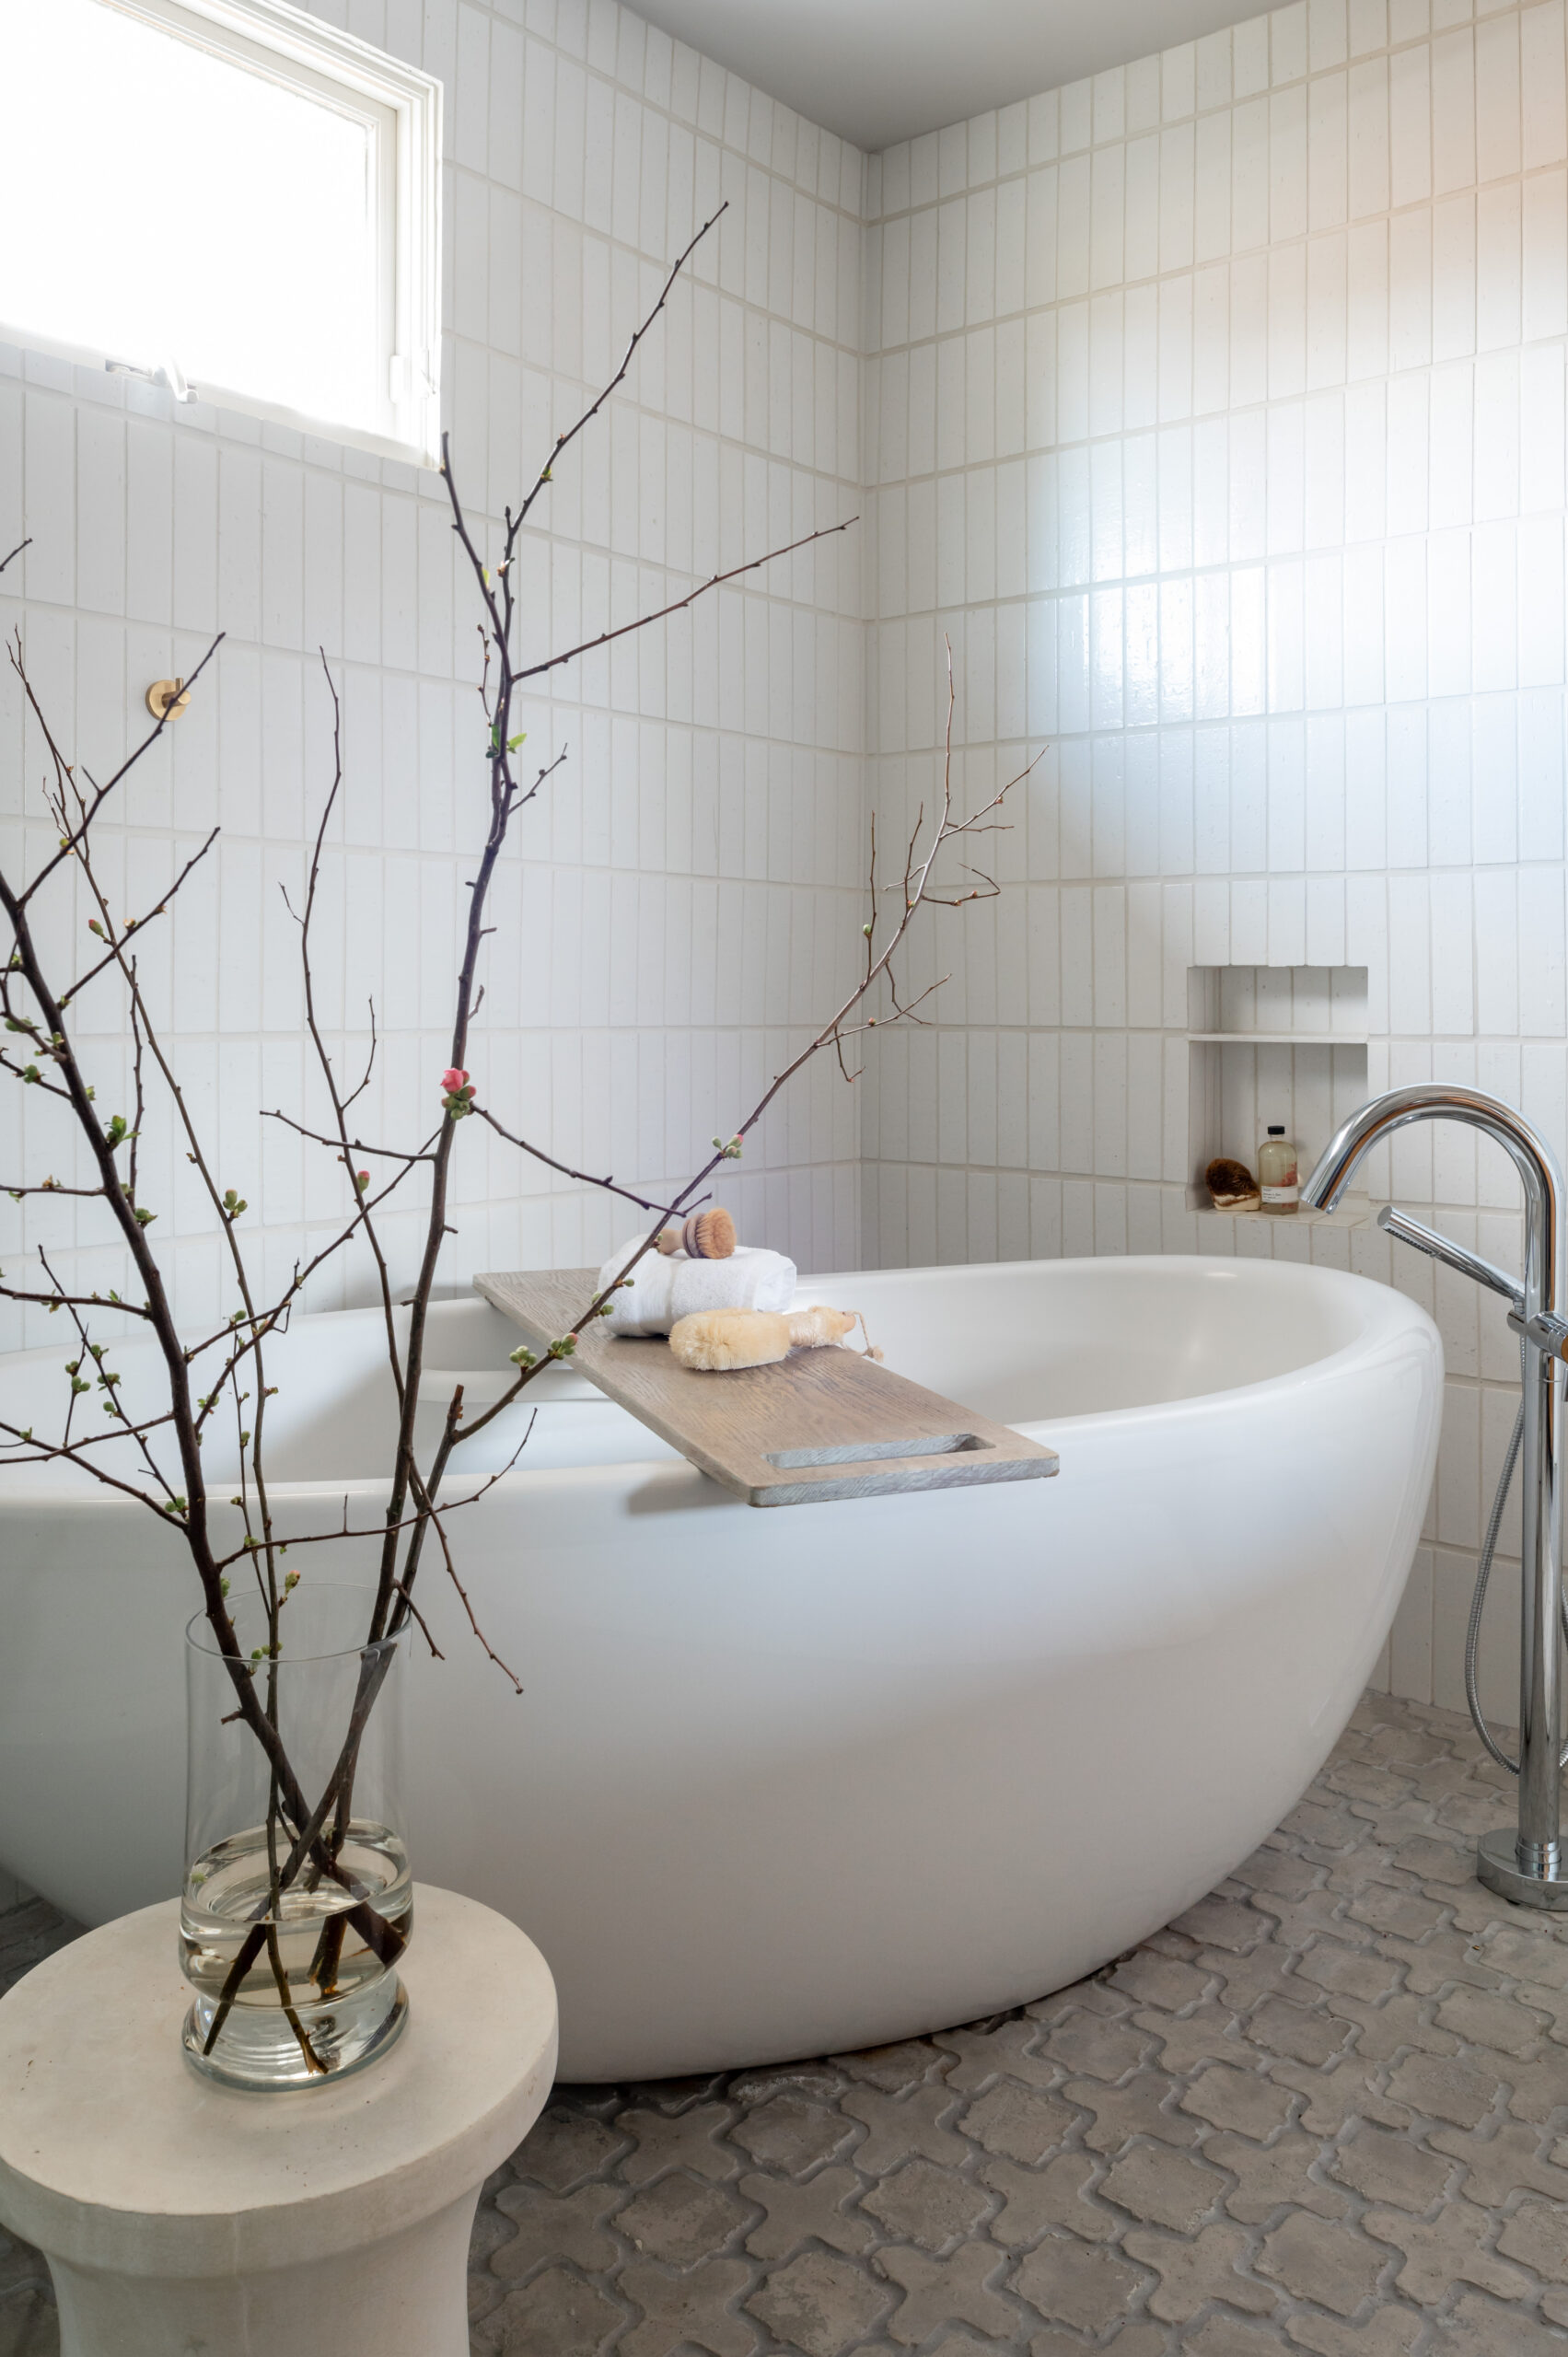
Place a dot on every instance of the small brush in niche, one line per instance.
(1231, 1185)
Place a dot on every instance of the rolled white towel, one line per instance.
(667, 1286)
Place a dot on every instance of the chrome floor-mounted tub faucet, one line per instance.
(1526, 1865)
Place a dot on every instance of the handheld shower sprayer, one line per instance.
(1526, 1865)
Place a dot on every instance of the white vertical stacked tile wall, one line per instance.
(1216, 411)
(686, 888)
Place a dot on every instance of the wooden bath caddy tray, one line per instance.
(822, 1423)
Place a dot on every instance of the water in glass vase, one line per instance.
(316, 1969)
(294, 1973)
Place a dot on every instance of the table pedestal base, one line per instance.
(408, 2294)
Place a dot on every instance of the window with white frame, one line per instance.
(231, 194)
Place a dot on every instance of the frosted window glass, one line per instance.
(164, 204)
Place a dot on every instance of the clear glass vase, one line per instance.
(297, 1902)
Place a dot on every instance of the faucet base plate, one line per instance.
(1497, 1866)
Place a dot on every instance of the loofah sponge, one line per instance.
(717, 1341)
(706, 1235)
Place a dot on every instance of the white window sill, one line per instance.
(216, 398)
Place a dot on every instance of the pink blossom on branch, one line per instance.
(456, 1092)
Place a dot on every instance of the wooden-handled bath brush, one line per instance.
(706, 1235)
(718, 1341)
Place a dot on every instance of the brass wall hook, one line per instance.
(167, 699)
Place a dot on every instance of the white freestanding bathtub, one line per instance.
(804, 1779)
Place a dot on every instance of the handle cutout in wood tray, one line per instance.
(871, 1451)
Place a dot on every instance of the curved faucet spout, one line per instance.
(1445, 1101)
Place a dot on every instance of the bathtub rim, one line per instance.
(1389, 1318)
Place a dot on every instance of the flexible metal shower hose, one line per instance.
(1484, 1574)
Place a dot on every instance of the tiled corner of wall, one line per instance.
(1215, 413)
(685, 899)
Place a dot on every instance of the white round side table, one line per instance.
(178, 2215)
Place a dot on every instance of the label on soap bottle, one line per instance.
(1291, 1194)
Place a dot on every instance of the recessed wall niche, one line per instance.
(1271, 1043)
